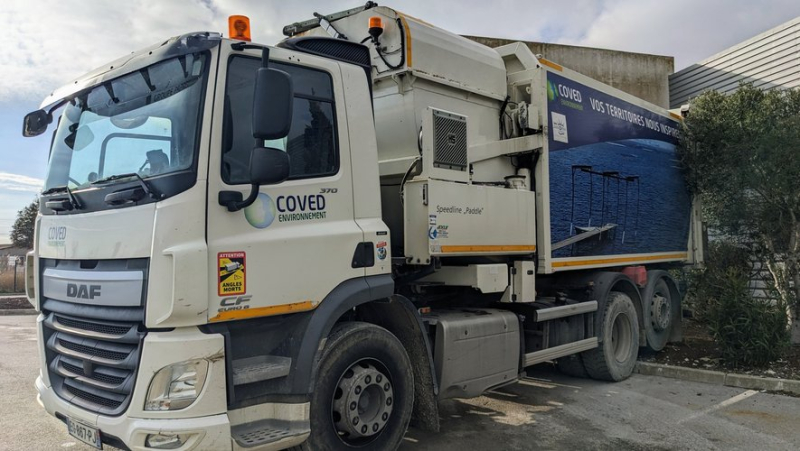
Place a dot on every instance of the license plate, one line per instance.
(84, 433)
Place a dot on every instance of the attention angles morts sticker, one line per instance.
(231, 272)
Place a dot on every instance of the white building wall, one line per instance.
(770, 60)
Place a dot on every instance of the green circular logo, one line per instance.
(262, 212)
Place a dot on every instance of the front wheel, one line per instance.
(364, 392)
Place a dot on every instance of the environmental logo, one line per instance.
(56, 236)
(289, 208)
(552, 91)
(566, 95)
(262, 212)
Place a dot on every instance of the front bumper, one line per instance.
(207, 421)
(212, 433)
(208, 433)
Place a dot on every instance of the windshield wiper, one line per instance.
(148, 190)
(62, 204)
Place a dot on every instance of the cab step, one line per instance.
(260, 368)
(265, 432)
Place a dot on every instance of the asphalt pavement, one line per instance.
(544, 411)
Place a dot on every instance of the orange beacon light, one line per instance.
(375, 28)
(239, 28)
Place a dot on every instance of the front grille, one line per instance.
(94, 327)
(76, 370)
(94, 399)
(92, 346)
(91, 351)
(92, 363)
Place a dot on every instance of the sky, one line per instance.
(48, 43)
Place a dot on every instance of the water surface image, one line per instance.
(620, 197)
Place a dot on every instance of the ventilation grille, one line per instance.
(100, 377)
(92, 363)
(338, 49)
(94, 327)
(449, 141)
(93, 399)
(93, 351)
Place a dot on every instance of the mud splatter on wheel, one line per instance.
(364, 391)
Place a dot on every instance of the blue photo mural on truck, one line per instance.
(615, 183)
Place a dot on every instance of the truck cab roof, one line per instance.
(174, 46)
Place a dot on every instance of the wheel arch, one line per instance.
(399, 316)
(374, 301)
(346, 296)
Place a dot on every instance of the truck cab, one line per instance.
(132, 273)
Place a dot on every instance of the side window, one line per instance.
(311, 143)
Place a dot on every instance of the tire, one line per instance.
(660, 311)
(362, 366)
(572, 365)
(616, 356)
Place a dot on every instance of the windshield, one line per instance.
(142, 123)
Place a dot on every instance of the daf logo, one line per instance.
(75, 290)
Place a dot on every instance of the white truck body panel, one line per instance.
(442, 71)
(451, 219)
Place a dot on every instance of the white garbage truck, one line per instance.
(243, 246)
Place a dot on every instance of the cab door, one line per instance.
(296, 243)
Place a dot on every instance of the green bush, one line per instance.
(703, 284)
(750, 332)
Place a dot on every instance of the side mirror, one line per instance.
(273, 98)
(272, 104)
(36, 123)
(268, 166)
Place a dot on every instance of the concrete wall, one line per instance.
(644, 76)
(769, 61)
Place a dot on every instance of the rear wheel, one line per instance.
(616, 356)
(660, 312)
(364, 391)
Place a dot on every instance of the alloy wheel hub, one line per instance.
(366, 401)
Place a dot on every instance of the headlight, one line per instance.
(176, 386)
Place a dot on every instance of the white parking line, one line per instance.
(723, 404)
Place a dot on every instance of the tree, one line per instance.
(741, 152)
(22, 230)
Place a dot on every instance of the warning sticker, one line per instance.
(231, 271)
